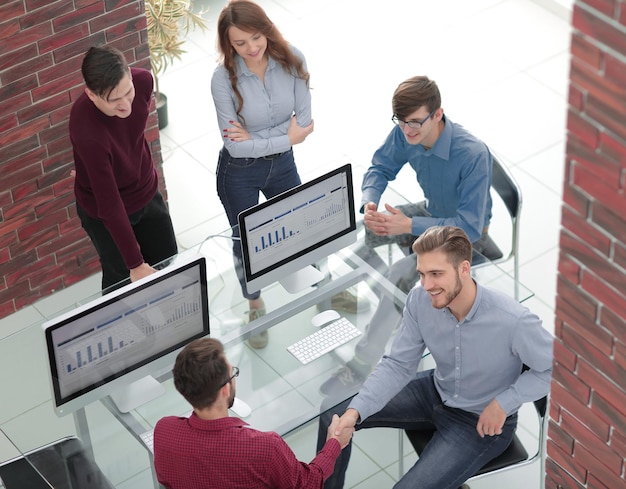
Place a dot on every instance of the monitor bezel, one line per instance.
(164, 359)
(268, 275)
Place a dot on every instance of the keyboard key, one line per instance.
(324, 340)
(148, 438)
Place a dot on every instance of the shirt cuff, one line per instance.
(507, 402)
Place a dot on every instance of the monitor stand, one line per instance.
(300, 280)
(131, 396)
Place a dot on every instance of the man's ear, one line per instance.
(92, 96)
(225, 390)
(465, 268)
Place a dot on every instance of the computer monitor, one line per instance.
(282, 237)
(111, 345)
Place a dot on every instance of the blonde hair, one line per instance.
(450, 239)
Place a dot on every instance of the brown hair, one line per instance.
(450, 239)
(249, 17)
(103, 68)
(200, 370)
(414, 93)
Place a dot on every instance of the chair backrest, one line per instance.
(509, 191)
(506, 187)
(541, 406)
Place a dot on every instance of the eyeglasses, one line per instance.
(230, 379)
(411, 124)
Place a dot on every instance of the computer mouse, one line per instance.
(324, 317)
(240, 408)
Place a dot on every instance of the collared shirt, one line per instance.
(455, 176)
(477, 360)
(192, 453)
(267, 107)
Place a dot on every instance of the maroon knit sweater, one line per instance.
(115, 175)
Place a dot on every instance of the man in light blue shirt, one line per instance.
(480, 339)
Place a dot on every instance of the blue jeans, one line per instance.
(239, 181)
(456, 451)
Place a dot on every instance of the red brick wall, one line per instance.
(587, 432)
(42, 42)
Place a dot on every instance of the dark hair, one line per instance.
(414, 93)
(450, 239)
(249, 17)
(200, 370)
(103, 68)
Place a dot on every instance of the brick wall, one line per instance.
(587, 431)
(42, 42)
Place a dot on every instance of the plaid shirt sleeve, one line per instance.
(289, 473)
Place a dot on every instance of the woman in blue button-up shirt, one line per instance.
(263, 103)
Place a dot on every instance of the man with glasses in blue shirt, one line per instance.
(453, 169)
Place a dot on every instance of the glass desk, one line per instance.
(283, 394)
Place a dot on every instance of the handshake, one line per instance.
(341, 429)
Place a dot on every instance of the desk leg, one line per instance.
(82, 429)
(155, 481)
(135, 428)
(400, 453)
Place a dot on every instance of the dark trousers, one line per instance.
(153, 230)
(456, 451)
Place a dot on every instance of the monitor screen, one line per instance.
(290, 232)
(126, 335)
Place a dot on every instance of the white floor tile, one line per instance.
(533, 275)
(19, 320)
(546, 168)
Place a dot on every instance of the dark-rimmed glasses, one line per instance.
(411, 124)
(230, 379)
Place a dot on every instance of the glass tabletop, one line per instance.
(283, 393)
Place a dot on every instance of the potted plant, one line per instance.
(169, 21)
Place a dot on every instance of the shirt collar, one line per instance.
(441, 148)
(476, 304)
(215, 424)
(242, 67)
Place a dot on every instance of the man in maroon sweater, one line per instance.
(116, 185)
(210, 450)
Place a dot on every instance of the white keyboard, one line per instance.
(324, 340)
(148, 438)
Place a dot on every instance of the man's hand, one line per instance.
(237, 132)
(141, 271)
(391, 223)
(343, 427)
(296, 133)
(491, 420)
(342, 435)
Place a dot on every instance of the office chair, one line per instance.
(509, 191)
(63, 464)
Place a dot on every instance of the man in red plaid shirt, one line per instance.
(212, 450)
